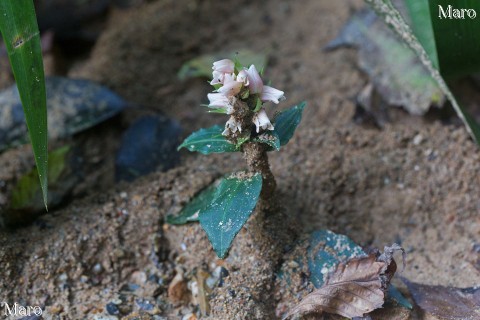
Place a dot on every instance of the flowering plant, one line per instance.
(240, 93)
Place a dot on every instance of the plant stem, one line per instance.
(256, 157)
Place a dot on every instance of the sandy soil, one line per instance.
(416, 182)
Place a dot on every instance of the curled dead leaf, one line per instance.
(354, 289)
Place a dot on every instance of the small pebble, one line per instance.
(417, 139)
(144, 304)
(97, 268)
(112, 308)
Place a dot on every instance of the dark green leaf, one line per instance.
(271, 139)
(394, 19)
(192, 209)
(419, 12)
(236, 198)
(397, 296)
(287, 121)
(202, 66)
(326, 250)
(456, 40)
(208, 141)
(19, 29)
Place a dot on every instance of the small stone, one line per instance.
(138, 277)
(144, 304)
(178, 289)
(149, 144)
(189, 316)
(55, 309)
(97, 269)
(112, 309)
(138, 316)
(417, 139)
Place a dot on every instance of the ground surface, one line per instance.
(416, 182)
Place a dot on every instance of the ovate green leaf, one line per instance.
(271, 139)
(236, 198)
(19, 29)
(287, 121)
(208, 141)
(192, 210)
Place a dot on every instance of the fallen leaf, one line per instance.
(355, 288)
(446, 302)
(393, 68)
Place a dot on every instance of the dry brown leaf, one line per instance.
(355, 288)
(446, 302)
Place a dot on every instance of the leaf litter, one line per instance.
(356, 287)
(447, 303)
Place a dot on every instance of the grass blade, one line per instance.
(21, 36)
(456, 39)
(419, 11)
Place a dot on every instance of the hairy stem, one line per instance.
(257, 161)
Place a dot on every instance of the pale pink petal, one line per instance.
(224, 66)
(231, 126)
(271, 94)
(217, 100)
(230, 87)
(243, 77)
(261, 121)
(254, 79)
(217, 77)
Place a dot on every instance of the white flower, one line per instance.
(256, 83)
(220, 68)
(218, 100)
(224, 66)
(231, 86)
(232, 126)
(243, 77)
(271, 94)
(267, 93)
(261, 121)
(217, 78)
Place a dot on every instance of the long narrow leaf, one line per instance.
(422, 27)
(394, 19)
(19, 29)
(457, 40)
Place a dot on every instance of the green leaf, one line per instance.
(419, 12)
(271, 139)
(19, 29)
(287, 121)
(394, 19)
(236, 198)
(27, 191)
(208, 141)
(241, 140)
(202, 65)
(198, 204)
(258, 104)
(456, 39)
(397, 296)
(218, 110)
(325, 251)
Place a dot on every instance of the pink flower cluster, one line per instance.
(232, 84)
